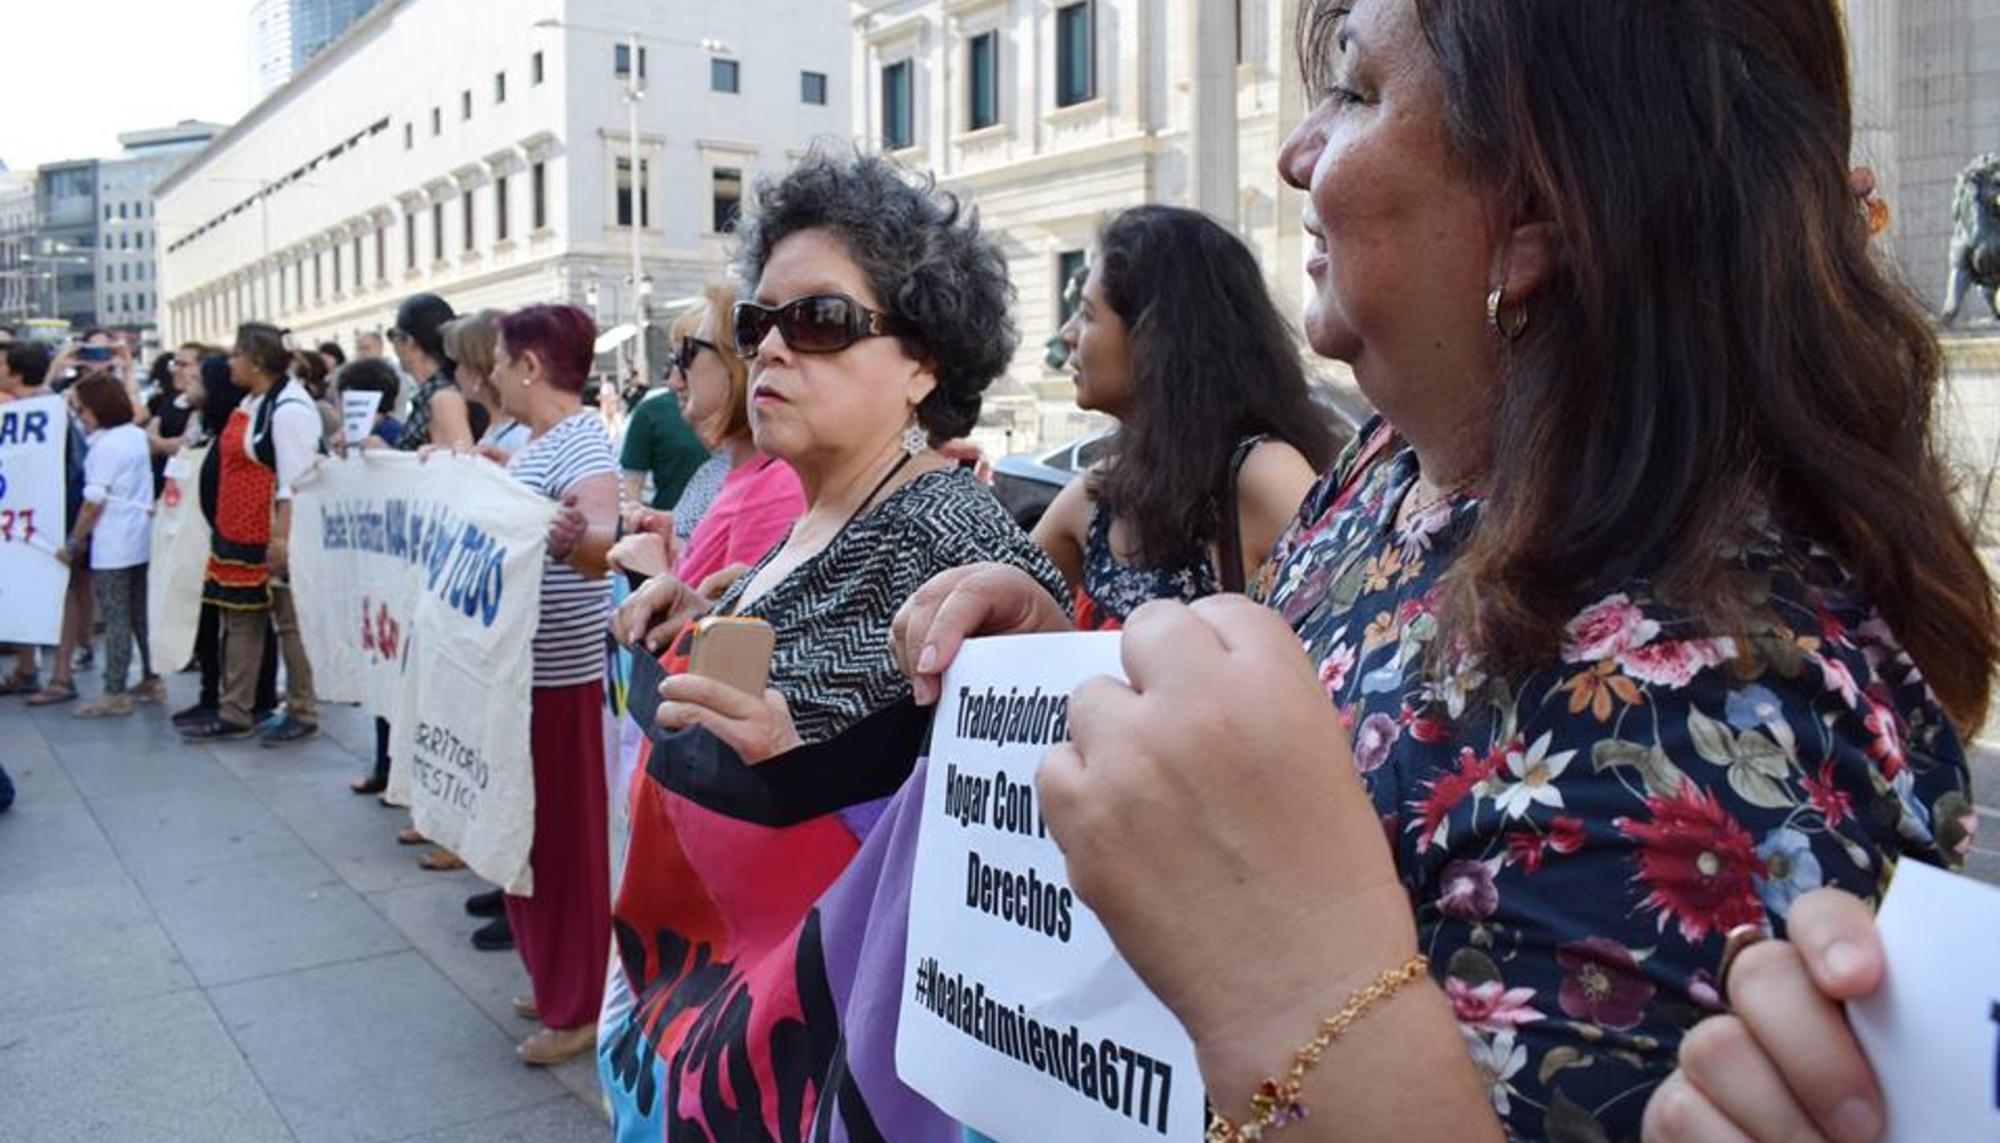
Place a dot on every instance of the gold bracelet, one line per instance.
(1279, 1103)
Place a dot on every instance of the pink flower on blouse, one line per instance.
(1491, 1006)
(1675, 662)
(1606, 629)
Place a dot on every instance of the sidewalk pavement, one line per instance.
(221, 944)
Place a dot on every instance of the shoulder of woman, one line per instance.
(1275, 470)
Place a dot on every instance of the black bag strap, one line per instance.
(1234, 575)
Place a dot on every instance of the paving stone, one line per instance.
(432, 917)
(83, 945)
(356, 836)
(192, 825)
(47, 845)
(268, 915)
(562, 1120)
(380, 1049)
(161, 1070)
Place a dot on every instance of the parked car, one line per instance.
(1027, 483)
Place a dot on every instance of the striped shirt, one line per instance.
(569, 640)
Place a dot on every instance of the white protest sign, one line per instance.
(179, 562)
(419, 590)
(1932, 1031)
(357, 414)
(1019, 1018)
(33, 434)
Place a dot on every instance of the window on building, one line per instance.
(538, 196)
(621, 60)
(812, 88)
(107, 212)
(1070, 268)
(319, 286)
(1076, 53)
(381, 254)
(437, 232)
(625, 193)
(299, 284)
(499, 87)
(121, 210)
(466, 202)
(357, 264)
(409, 136)
(465, 104)
(898, 112)
(724, 76)
(500, 208)
(535, 68)
(437, 121)
(336, 269)
(728, 196)
(982, 77)
(409, 240)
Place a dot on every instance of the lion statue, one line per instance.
(1975, 239)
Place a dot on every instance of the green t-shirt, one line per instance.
(658, 441)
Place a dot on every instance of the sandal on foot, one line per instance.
(106, 706)
(554, 1046)
(52, 694)
(441, 861)
(410, 835)
(369, 785)
(524, 1007)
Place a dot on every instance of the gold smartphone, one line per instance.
(735, 650)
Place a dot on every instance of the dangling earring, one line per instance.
(915, 439)
(1506, 327)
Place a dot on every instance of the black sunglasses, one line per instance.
(818, 323)
(685, 351)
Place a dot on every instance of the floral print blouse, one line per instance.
(1578, 840)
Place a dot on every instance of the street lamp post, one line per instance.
(634, 92)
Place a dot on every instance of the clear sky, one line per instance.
(78, 72)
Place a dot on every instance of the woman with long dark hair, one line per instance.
(1644, 610)
(1218, 438)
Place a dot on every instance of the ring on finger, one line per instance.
(1739, 939)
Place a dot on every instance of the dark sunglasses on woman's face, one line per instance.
(819, 323)
(685, 351)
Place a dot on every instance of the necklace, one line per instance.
(1413, 507)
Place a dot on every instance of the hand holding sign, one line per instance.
(1784, 1060)
(1185, 795)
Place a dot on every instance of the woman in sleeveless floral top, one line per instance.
(1175, 336)
(1642, 616)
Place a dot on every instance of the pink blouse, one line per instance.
(759, 500)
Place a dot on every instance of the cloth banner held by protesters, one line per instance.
(179, 559)
(33, 434)
(418, 585)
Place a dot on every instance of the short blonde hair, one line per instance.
(720, 301)
(470, 341)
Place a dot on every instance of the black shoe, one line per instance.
(288, 730)
(486, 905)
(216, 730)
(194, 715)
(493, 936)
(369, 785)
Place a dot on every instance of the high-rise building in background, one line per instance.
(284, 34)
(491, 160)
(19, 283)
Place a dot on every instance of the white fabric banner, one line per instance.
(419, 588)
(33, 433)
(179, 561)
(1019, 1018)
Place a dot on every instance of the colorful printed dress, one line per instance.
(1578, 839)
(1113, 589)
(727, 1002)
(238, 577)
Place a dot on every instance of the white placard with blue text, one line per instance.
(33, 433)
(1019, 1018)
(1932, 1031)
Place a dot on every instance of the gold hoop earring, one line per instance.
(1505, 326)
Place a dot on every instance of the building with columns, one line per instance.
(489, 160)
(1926, 103)
(1053, 114)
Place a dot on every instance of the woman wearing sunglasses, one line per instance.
(759, 497)
(879, 318)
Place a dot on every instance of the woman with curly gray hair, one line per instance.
(878, 318)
